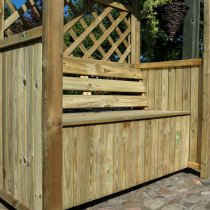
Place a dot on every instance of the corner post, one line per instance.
(52, 103)
(1, 93)
(205, 143)
(135, 33)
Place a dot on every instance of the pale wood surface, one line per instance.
(116, 116)
(52, 104)
(81, 101)
(1, 93)
(205, 147)
(22, 131)
(177, 89)
(117, 156)
(100, 68)
(170, 64)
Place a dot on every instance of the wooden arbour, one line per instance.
(126, 122)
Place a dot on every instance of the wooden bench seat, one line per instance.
(72, 119)
(91, 84)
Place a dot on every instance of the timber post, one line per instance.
(1, 92)
(52, 103)
(205, 144)
(135, 34)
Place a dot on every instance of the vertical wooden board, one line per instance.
(97, 161)
(118, 159)
(91, 155)
(127, 153)
(5, 122)
(29, 55)
(134, 147)
(184, 148)
(147, 148)
(161, 147)
(194, 115)
(172, 145)
(186, 88)
(167, 139)
(14, 125)
(108, 158)
(82, 159)
(68, 174)
(154, 151)
(151, 83)
(178, 142)
(22, 121)
(179, 83)
(37, 128)
(165, 89)
(9, 124)
(172, 89)
(158, 90)
(1, 93)
(141, 154)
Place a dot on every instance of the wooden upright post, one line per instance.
(205, 150)
(135, 33)
(192, 23)
(1, 93)
(52, 103)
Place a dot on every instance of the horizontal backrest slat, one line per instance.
(82, 101)
(86, 84)
(101, 69)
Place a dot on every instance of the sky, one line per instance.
(18, 3)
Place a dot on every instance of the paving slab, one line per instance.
(180, 191)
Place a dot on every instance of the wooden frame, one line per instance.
(52, 104)
(161, 106)
(205, 152)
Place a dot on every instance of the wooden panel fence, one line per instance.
(21, 148)
(106, 158)
(177, 86)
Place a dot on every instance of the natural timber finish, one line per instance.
(111, 157)
(114, 4)
(117, 116)
(89, 67)
(170, 64)
(1, 93)
(107, 82)
(21, 38)
(104, 101)
(22, 128)
(205, 145)
(52, 103)
(177, 89)
(12, 202)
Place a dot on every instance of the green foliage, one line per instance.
(149, 13)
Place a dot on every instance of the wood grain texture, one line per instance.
(86, 84)
(22, 134)
(205, 147)
(52, 103)
(177, 89)
(100, 68)
(1, 93)
(119, 155)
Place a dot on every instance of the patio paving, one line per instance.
(183, 190)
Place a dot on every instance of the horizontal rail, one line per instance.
(102, 69)
(116, 116)
(21, 38)
(116, 5)
(12, 202)
(170, 64)
(103, 101)
(86, 84)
